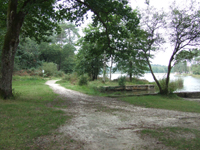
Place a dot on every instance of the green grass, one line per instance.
(25, 118)
(179, 138)
(164, 102)
(89, 89)
(93, 86)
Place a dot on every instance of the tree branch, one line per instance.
(100, 19)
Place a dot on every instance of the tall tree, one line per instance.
(34, 18)
(50, 53)
(87, 62)
(150, 38)
(184, 35)
(132, 61)
(27, 55)
(38, 18)
(183, 32)
(68, 58)
(68, 33)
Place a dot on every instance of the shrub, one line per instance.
(122, 81)
(59, 74)
(71, 77)
(83, 80)
(173, 85)
(49, 68)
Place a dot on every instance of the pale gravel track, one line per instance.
(106, 123)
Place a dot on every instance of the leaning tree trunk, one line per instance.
(11, 41)
(166, 90)
(154, 77)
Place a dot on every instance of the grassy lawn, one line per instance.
(93, 86)
(25, 118)
(164, 102)
(90, 89)
(176, 137)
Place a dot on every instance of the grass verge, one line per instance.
(27, 117)
(177, 137)
(93, 87)
(164, 102)
(90, 89)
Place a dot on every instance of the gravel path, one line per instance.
(105, 123)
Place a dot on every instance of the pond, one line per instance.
(190, 84)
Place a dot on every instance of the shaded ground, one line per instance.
(105, 123)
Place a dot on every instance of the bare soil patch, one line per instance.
(107, 123)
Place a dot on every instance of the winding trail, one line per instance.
(105, 123)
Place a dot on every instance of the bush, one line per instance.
(173, 85)
(59, 74)
(49, 68)
(71, 77)
(83, 80)
(122, 81)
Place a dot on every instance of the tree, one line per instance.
(67, 35)
(132, 62)
(33, 18)
(181, 67)
(183, 32)
(195, 68)
(51, 53)
(184, 35)
(68, 58)
(87, 62)
(150, 39)
(27, 55)
(39, 18)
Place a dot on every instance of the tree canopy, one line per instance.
(39, 19)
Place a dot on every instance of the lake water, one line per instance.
(190, 84)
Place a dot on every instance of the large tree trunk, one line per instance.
(11, 41)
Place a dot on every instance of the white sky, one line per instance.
(161, 57)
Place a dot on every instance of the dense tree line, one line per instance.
(60, 51)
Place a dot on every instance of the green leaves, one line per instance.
(186, 55)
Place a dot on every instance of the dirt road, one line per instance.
(104, 123)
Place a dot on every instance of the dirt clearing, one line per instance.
(105, 123)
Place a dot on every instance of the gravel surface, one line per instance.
(105, 123)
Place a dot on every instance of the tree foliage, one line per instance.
(87, 62)
(27, 55)
(183, 32)
(39, 19)
(150, 38)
